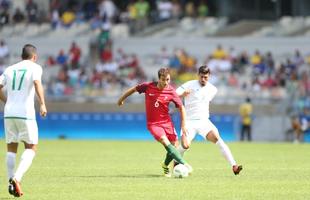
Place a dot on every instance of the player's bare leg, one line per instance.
(214, 137)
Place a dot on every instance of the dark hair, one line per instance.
(248, 99)
(163, 72)
(28, 51)
(204, 69)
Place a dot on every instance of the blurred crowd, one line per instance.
(256, 72)
(101, 13)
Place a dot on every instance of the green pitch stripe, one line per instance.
(18, 118)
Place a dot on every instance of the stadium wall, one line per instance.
(108, 121)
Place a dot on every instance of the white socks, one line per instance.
(10, 163)
(25, 163)
(226, 152)
(181, 150)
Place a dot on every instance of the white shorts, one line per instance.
(201, 127)
(17, 130)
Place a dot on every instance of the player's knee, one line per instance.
(185, 146)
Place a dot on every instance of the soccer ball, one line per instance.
(180, 171)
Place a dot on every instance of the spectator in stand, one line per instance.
(50, 61)
(305, 84)
(269, 82)
(4, 17)
(298, 60)
(107, 10)
(4, 52)
(290, 67)
(74, 54)
(103, 39)
(203, 9)
(176, 9)
(143, 8)
(18, 16)
(32, 11)
(163, 58)
(190, 9)
(55, 19)
(232, 80)
(164, 8)
(96, 79)
(219, 53)
(257, 62)
(68, 18)
(62, 58)
(106, 54)
(269, 63)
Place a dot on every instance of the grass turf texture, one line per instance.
(68, 169)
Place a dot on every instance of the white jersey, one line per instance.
(197, 102)
(19, 82)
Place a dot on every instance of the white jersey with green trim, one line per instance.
(197, 101)
(18, 79)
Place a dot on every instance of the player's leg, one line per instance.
(173, 152)
(169, 157)
(12, 145)
(25, 161)
(211, 133)
(11, 138)
(28, 133)
(190, 135)
(11, 158)
(10, 163)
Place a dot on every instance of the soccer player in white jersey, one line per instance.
(197, 95)
(21, 81)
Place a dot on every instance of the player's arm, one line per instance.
(182, 92)
(129, 92)
(2, 96)
(183, 127)
(2, 84)
(40, 94)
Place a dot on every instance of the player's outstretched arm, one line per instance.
(40, 94)
(183, 127)
(129, 92)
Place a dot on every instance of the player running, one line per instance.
(21, 80)
(158, 95)
(197, 95)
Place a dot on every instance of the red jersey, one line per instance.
(157, 102)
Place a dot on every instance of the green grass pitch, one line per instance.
(125, 170)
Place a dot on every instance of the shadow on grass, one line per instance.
(120, 176)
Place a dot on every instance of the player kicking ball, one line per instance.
(197, 95)
(158, 95)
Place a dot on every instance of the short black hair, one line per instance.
(28, 51)
(204, 69)
(163, 72)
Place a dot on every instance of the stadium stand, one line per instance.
(267, 60)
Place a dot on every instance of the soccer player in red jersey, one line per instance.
(158, 95)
